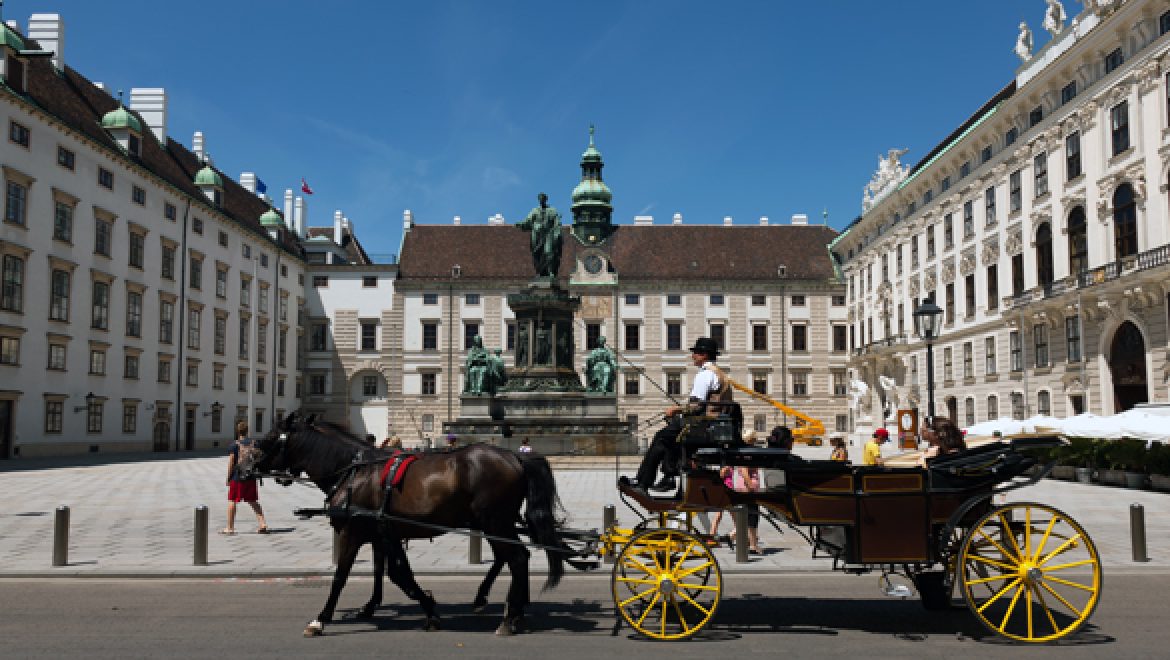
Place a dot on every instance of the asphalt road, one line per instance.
(801, 616)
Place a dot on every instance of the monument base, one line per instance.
(553, 422)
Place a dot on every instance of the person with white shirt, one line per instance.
(710, 385)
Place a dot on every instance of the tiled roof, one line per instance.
(354, 252)
(77, 103)
(639, 253)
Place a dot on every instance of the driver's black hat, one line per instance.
(705, 345)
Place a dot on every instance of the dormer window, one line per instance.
(13, 68)
(210, 184)
(125, 128)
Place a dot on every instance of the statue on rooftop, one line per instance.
(1054, 18)
(544, 223)
(1024, 43)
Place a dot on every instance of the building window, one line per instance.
(759, 301)
(164, 370)
(470, 332)
(673, 299)
(1011, 136)
(56, 357)
(759, 337)
(674, 336)
(105, 178)
(429, 384)
(592, 335)
(993, 286)
(196, 277)
(1072, 156)
(221, 276)
(138, 196)
(369, 281)
(798, 301)
(168, 263)
(718, 334)
(166, 321)
(245, 331)
(1068, 92)
(223, 242)
(12, 296)
(913, 251)
(369, 386)
(673, 384)
(282, 348)
(1125, 221)
(760, 382)
(841, 423)
(59, 296)
(1035, 116)
(1044, 262)
(948, 364)
(968, 361)
(633, 342)
(170, 212)
(945, 185)
(1018, 411)
(992, 407)
(1113, 60)
(839, 343)
(1040, 174)
(840, 385)
(194, 315)
(320, 281)
(261, 381)
(510, 336)
(1072, 334)
(217, 377)
(133, 314)
(1017, 350)
(985, 154)
(137, 250)
(1119, 126)
(799, 337)
(633, 299)
(716, 299)
(1015, 192)
(632, 384)
(1040, 336)
(430, 299)
(318, 333)
(948, 231)
(19, 134)
(103, 237)
(54, 416)
(10, 350)
(65, 158)
(197, 225)
(838, 301)
(130, 367)
(1043, 403)
(369, 336)
(16, 203)
(969, 295)
(245, 292)
(965, 170)
(989, 366)
(63, 222)
(950, 303)
(216, 419)
(969, 216)
(1017, 274)
(93, 417)
(430, 336)
(317, 385)
(800, 383)
(1078, 241)
(930, 242)
(97, 361)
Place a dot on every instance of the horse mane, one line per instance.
(333, 427)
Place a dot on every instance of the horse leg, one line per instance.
(398, 566)
(349, 549)
(367, 612)
(481, 596)
(518, 594)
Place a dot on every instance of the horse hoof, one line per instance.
(314, 629)
(432, 624)
(505, 630)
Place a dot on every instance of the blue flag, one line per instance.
(260, 187)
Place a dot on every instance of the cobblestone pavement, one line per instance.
(134, 516)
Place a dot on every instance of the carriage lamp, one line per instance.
(89, 399)
(927, 322)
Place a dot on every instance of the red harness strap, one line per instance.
(398, 463)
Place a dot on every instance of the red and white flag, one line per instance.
(305, 187)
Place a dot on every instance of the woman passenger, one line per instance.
(944, 438)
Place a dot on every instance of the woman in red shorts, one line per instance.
(241, 490)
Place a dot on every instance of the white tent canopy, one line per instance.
(1136, 423)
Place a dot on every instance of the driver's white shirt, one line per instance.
(706, 383)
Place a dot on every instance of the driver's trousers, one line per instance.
(665, 450)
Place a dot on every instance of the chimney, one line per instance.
(763, 221)
(300, 222)
(49, 31)
(100, 85)
(643, 220)
(337, 227)
(288, 209)
(457, 221)
(407, 220)
(13, 24)
(197, 146)
(248, 181)
(799, 219)
(497, 219)
(151, 104)
(726, 221)
(677, 220)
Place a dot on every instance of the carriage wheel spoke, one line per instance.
(649, 608)
(1069, 583)
(1011, 607)
(692, 571)
(1072, 539)
(638, 581)
(638, 596)
(1048, 611)
(637, 565)
(1062, 600)
(1005, 553)
(1010, 533)
(1028, 603)
(681, 619)
(1061, 567)
(1044, 540)
(995, 596)
(699, 587)
(992, 562)
(694, 603)
(1001, 576)
(665, 602)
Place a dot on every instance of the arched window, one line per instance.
(1078, 241)
(1044, 255)
(969, 411)
(992, 407)
(1125, 236)
(1043, 403)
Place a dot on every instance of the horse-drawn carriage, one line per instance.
(1027, 571)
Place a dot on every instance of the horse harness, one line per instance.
(392, 475)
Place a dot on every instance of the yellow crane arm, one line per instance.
(806, 427)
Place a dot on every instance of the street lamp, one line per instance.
(89, 399)
(456, 273)
(927, 322)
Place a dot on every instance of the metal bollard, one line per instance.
(61, 536)
(608, 521)
(740, 515)
(475, 548)
(201, 535)
(1137, 532)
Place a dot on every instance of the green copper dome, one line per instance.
(592, 191)
(120, 117)
(9, 38)
(271, 218)
(208, 177)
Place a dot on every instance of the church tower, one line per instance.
(592, 211)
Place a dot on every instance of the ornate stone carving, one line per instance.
(928, 281)
(889, 175)
(967, 263)
(1087, 116)
(1149, 76)
(990, 251)
(948, 272)
(914, 287)
(1015, 242)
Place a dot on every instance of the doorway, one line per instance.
(5, 429)
(1127, 364)
(189, 429)
(162, 436)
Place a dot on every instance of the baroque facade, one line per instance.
(1041, 226)
(148, 300)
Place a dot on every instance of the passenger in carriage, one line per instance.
(710, 385)
(944, 437)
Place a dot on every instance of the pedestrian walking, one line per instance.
(242, 490)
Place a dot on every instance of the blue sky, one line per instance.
(471, 108)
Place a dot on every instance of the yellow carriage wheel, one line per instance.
(666, 584)
(1029, 572)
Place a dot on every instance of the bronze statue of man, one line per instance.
(545, 224)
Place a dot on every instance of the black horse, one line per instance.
(479, 487)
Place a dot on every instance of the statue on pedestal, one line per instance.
(478, 367)
(543, 345)
(499, 375)
(522, 345)
(545, 224)
(600, 369)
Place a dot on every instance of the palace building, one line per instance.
(1041, 227)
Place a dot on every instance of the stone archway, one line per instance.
(1127, 365)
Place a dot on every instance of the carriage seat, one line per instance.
(761, 457)
(984, 465)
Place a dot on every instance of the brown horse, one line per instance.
(479, 487)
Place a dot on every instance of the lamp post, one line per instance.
(927, 321)
(456, 273)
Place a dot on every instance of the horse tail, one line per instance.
(540, 513)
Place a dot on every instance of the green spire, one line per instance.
(592, 210)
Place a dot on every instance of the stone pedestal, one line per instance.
(544, 400)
